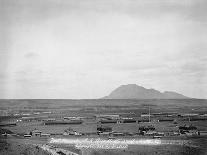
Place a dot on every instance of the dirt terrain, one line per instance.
(33, 112)
(8, 147)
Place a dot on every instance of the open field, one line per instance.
(22, 117)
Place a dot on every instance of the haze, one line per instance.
(87, 48)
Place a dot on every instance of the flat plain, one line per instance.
(33, 114)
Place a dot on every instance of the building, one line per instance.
(63, 122)
(146, 115)
(189, 115)
(27, 136)
(45, 135)
(104, 129)
(108, 116)
(128, 120)
(165, 119)
(36, 132)
(107, 121)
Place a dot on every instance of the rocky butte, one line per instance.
(133, 91)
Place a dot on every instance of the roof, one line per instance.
(36, 131)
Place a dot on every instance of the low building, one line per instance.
(7, 124)
(45, 135)
(165, 114)
(107, 121)
(108, 116)
(104, 129)
(73, 118)
(151, 133)
(189, 115)
(63, 122)
(187, 129)
(70, 131)
(115, 134)
(148, 128)
(36, 133)
(128, 120)
(27, 136)
(165, 119)
(146, 115)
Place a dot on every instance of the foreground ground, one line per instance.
(16, 146)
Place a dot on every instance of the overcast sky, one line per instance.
(86, 48)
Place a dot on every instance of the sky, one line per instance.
(84, 49)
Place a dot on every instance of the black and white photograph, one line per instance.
(103, 77)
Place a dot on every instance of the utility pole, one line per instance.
(149, 113)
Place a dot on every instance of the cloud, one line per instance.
(31, 55)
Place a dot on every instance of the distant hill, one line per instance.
(133, 91)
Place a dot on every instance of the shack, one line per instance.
(107, 121)
(187, 129)
(104, 129)
(165, 119)
(36, 132)
(63, 122)
(129, 120)
(27, 136)
(45, 135)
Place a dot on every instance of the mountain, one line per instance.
(133, 91)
